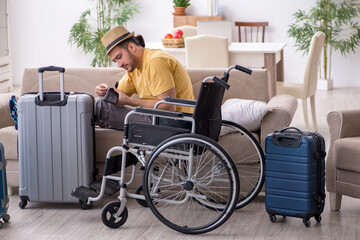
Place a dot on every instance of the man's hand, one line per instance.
(123, 98)
(101, 89)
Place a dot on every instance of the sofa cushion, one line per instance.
(346, 154)
(8, 138)
(258, 82)
(5, 119)
(106, 139)
(12, 172)
(75, 79)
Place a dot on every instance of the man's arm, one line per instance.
(126, 100)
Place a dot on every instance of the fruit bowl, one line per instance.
(173, 43)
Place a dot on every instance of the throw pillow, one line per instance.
(247, 113)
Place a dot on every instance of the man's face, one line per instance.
(123, 58)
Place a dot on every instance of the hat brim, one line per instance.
(115, 43)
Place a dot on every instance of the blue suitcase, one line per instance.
(295, 174)
(4, 199)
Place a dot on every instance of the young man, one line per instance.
(151, 74)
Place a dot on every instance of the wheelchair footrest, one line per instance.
(83, 193)
(111, 186)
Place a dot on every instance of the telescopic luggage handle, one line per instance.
(51, 69)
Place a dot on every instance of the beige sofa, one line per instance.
(342, 163)
(255, 87)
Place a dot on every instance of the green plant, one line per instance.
(339, 23)
(87, 32)
(181, 3)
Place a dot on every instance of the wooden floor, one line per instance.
(68, 221)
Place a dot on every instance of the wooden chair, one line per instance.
(188, 31)
(206, 51)
(248, 34)
(307, 88)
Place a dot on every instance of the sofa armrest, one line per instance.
(342, 124)
(283, 110)
(5, 118)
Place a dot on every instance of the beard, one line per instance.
(132, 64)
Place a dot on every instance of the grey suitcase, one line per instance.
(55, 143)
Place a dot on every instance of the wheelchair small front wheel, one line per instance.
(139, 190)
(108, 215)
(191, 184)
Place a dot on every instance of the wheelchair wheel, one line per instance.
(248, 157)
(108, 212)
(191, 184)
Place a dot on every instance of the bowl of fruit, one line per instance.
(175, 40)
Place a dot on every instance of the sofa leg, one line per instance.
(335, 201)
(9, 189)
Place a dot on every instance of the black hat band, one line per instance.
(117, 40)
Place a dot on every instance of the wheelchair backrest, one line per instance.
(207, 113)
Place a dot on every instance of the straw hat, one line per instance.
(114, 37)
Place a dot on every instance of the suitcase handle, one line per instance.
(51, 69)
(281, 138)
(293, 128)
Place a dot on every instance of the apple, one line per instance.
(176, 36)
(168, 36)
(179, 32)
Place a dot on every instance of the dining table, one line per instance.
(268, 55)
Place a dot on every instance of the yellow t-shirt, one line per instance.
(158, 73)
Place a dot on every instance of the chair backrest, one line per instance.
(312, 64)
(218, 28)
(188, 31)
(206, 51)
(252, 31)
(207, 113)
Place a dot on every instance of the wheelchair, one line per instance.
(191, 182)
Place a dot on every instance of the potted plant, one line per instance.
(88, 31)
(337, 21)
(180, 7)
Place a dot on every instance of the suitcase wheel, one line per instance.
(6, 218)
(84, 205)
(22, 204)
(139, 190)
(318, 218)
(306, 222)
(272, 218)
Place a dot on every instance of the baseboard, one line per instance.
(324, 84)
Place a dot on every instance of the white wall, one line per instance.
(39, 31)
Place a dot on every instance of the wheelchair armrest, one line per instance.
(179, 100)
(159, 113)
(176, 101)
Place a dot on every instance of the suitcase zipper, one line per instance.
(319, 197)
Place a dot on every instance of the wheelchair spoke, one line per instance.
(202, 192)
(248, 158)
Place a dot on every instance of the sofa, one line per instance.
(255, 87)
(342, 163)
